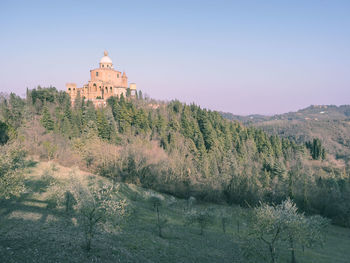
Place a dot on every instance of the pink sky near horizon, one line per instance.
(244, 57)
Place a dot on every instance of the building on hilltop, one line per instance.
(105, 82)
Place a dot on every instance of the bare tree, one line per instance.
(203, 218)
(161, 222)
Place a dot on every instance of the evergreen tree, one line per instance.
(140, 120)
(3, 133)
(103, 127)
(128, 93)
(140, 96)
(46, 119)
(66, 128)
(316, 149)
(207, 130)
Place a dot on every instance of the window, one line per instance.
(69, 89)
(103, 66)
(96, 74)
(111, 88)
(117, 75)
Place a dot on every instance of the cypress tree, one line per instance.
(3, 133)
(140, 96)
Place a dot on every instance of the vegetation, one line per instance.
(329, 123)
(192, 154)
(275, 227)
(179, 149)
(316, 149)
(202, 218)
(11, 163)
(95, 207)
(32, 230)
(161, 222)
(3, 133)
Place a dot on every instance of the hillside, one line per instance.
(141, 180)
(33, 230)
(329, 123)
(178, 149)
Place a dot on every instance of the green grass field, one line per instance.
(32, 231)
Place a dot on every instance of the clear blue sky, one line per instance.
(238, 56)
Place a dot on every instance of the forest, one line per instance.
(177, 149)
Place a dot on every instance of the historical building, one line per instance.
(105, 82)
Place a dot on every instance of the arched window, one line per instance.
(95, 87)
(96, 74)
(69, 89)
(103, 66)
(111, 88)
(117, 75)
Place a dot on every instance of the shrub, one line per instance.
(203, 218)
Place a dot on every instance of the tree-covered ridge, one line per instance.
(329, 123)
(179, 149)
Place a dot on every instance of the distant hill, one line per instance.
(330, 123)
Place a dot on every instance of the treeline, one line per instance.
(179, 149)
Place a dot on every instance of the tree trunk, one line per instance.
(293, 259)
(159, 226)
(89, 233)
(88, 243)
(272, 254)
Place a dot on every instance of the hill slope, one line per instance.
(178, 149)
(32, 231)
(328, 122)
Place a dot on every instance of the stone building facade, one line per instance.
(105, 82)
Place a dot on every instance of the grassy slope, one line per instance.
(32, 232)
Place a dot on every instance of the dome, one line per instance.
(106, 59)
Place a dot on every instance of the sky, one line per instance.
(244, 57)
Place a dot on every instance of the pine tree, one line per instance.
(140, 120)
(46, 119)
(103, 127)
(207, 130)
(66, 127)
(78, 101)
(187, 128)
(68, 111)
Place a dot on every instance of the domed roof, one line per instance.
(106, 59)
